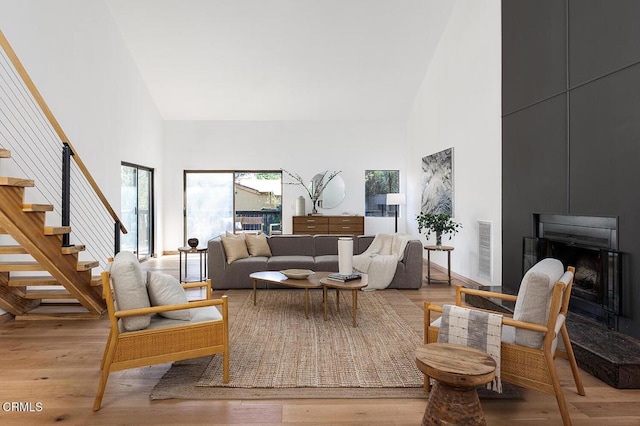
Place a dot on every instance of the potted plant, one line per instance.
(440, 223)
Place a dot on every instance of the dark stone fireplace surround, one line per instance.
(590, 245)
(592, 323)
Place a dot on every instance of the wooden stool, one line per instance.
(457, 370)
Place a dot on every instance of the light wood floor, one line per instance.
(55, 363)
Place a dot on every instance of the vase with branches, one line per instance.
(440, 223)
(316, 187)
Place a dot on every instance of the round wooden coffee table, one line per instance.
(275, 277)
(353, 285)
(457, 370)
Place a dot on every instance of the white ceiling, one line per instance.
(282, 59)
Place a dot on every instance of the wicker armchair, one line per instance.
(149, 338)
(529, 344)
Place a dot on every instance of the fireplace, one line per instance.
(590, 244)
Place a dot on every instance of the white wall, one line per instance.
(77, 59)
(303, 147)
(459, 106)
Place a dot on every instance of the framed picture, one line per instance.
(437, 183)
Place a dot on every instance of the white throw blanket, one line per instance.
(476, 329)
(380, 260)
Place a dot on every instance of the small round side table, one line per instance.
(429, 249)
(457, 370)
(202, 251)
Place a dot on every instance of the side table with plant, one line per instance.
(440, 223)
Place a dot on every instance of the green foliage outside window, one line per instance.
(377, 184)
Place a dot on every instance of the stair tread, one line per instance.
(56, 230)
(43, 280)
(73, 249)
(52, 311)
(20, 266)
(37, 208)
(12, 249)
(48, 294)
(31, 281)
(13, 181)
(85, 265)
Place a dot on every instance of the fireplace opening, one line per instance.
(590, 245)
(586, 281)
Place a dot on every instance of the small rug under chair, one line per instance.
(275, 352)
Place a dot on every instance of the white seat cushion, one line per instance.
(208, 313)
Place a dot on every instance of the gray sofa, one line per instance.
(315, 252)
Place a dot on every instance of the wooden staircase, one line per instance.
(75, 293)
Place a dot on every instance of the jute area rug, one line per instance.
(276, 353)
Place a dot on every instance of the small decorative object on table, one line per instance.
(344, 278)
(297, 274)
(315, 187)
(193, 242)
(440, 223)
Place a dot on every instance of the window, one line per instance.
(377, 184)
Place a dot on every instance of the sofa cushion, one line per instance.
(284, 245)
(165, 289)
(257, 245)
(237, 274)
(234, 248)
(327, 262)
(325, 244)
(362, 243)
(534, 299)
(129, 289)
(278, 263)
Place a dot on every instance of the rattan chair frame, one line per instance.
(133, 349)
(521, 365)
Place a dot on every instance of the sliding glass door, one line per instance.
(234, 201)
(208, 204)
(137, 209)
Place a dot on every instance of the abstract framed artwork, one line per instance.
(437, 183)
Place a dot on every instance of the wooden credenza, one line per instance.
(348, 225)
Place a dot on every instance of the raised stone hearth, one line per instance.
(608, 355)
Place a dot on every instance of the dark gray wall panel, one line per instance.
(605, 168)
(533, 46)
(604, 36)
(604, 122)
(534, 170)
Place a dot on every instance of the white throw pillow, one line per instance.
(164, 290)
(129, 289)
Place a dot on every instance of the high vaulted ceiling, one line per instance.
(282, 59)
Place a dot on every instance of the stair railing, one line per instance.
(40, 150)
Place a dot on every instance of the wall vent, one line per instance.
(484, 250)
